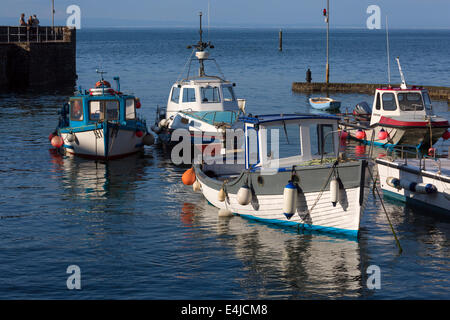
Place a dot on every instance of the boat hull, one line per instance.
(101, 143)
(268, 200)
(417, 136)
(439, 200)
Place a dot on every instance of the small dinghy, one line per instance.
(289, 174)
(324, 103)
(101, 124)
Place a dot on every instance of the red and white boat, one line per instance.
(399, 116)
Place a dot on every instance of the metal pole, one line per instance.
(328, 30)
(53, 14)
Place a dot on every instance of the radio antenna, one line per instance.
(387, 49)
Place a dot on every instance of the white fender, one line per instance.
(289, 200)
(334, 191)
(244, 195)
(225, 213)
(221, 195)
(196, 186)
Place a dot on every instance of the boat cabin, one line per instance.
(202, 94)
(101, 105)
(281, 141)
(407, 103)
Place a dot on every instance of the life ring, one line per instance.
(101, 91)
(102, 83)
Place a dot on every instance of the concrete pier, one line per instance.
(436, 93)
(42, 58)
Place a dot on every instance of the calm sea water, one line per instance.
(137, 233)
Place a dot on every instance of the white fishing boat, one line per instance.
(421, 181)
(324, 103)
(399, 116)
(204, 105)
(296, 180)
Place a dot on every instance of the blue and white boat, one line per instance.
(324, 103)
(290, 175)
(101, 123)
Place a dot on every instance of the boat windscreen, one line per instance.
(215, 117)
(411, 101)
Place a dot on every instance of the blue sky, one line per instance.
(237, 13)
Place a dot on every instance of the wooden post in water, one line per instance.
(280, 40)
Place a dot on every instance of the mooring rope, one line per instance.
(387, 216)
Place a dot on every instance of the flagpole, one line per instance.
(328, 30)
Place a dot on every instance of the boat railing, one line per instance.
(15, 34)
(405, 152)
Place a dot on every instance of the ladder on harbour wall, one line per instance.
(14, 34)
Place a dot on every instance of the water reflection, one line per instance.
(280, 262)
(87, 179)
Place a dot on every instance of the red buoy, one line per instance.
(139, 133)
(360, 134)
(382, 135)
(57, 141)
(138, 103)
(446, 135)
(432, 152)
(343, 135)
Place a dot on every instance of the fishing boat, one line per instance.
(421, 181)
(324, 103)
(290, 175)
(101, 123)
(203, 105)
(399, 116)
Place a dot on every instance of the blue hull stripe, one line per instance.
(309, 227)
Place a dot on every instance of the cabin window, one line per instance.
(321, 138)
(410, 101)
(228, 94)
(130, 110)
(76, 110)
(378, 103)
(210, 94)
(104, 110)
(283, 141)
(188, 95)
(175, 95)
(427, 100)
(389, 102)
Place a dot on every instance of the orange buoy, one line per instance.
(57, 141)
(188, 177)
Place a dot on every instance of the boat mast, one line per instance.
(403, 85)
(201, 47)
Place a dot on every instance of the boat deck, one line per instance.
(439, 167)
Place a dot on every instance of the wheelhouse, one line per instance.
(206, 93)
(410, 102)
(85, 109)
(281, 141)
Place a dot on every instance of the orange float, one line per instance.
(188, 177)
